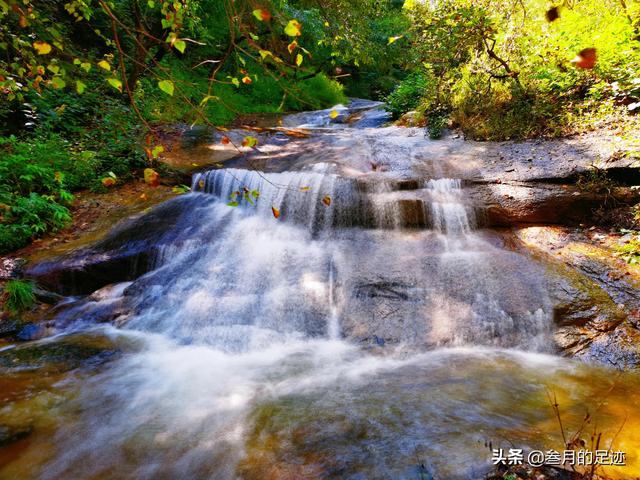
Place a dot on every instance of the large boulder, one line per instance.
(129, 251)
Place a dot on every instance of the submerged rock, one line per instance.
(32, 332)
(61, 354)
(11, 434)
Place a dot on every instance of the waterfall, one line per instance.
(333, 325)
(276, 304)
(449, 214)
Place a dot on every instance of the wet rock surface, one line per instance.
(59, 355)
(386, 173)
(130, 250)
(596, 295)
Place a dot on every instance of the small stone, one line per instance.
(31, 332)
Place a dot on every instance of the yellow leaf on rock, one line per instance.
(151, 177)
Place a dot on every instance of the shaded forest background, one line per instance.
(86, 84)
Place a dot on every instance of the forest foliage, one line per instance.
(85, 84)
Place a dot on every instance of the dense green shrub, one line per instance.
(33, 194)
(408, 94)
(505, 71)
(315, 93)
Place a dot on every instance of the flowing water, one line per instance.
(336, 341)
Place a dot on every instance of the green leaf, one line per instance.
(180, 45)
(80, 86)
(58, 83)
(262, 14)
(265, 53)
(157, 150)
(249, 141)
(115, 83)
(235, 81)
(299, 59)
(166, 86)
(293, 28)
(233, 204)
(86, 66)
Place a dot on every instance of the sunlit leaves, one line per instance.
(115, 83)
(181, 189)
(104, 65)
(157, 150)
(292, 46)
(299, 59)
(166, 86)
(275, 211)
(180, 45)
(80, 86)
(293, 28)
(151, 177)
(262, 14)
(235, 81)
(248, 195)
(333, 114)
(249, 141)
(585, 59)
(58, 83)
(42, 48)
(247, 80)
(394, 39)
(264, 54)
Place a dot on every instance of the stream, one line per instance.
(359, 335)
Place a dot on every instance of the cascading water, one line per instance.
(448, 211)
(305, 346)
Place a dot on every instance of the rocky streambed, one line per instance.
(266, 319)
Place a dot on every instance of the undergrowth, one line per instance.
(18, 295)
